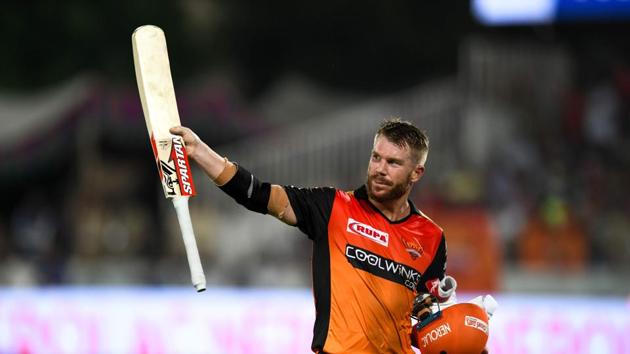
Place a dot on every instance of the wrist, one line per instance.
(226, 173)
(199, 149)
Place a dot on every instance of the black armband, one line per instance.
(248, 191)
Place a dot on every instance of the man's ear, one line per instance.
(417, 173)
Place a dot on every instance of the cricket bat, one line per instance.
(157, 94)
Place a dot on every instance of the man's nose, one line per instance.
(381, 167)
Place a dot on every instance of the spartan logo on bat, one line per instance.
(169, 178)
(178, 153)
(174, 167)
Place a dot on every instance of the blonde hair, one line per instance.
(404, 134)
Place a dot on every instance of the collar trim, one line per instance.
(361, 194)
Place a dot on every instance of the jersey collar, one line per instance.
(361, 194)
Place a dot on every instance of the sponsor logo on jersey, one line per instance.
(368, 231)
(413, 247)
(382, 267)
(476, 323)
(436, 334)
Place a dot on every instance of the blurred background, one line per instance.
(526, 103)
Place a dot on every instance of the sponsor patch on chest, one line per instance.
(368, 231)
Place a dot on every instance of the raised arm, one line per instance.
(222, 172)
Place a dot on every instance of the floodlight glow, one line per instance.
(497, 12)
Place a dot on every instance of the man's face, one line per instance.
(391, 171)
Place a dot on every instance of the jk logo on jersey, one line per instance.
(368, 231)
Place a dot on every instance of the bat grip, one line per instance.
(185, 224)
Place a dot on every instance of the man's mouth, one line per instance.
(381, 182)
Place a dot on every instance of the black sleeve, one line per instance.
(248, 191)
(437, 268)
(312, 208)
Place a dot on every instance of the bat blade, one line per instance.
(157, 94)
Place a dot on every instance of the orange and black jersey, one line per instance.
(366, 269)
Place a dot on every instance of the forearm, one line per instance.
(247, 190)
(267, 198)
(215, 166)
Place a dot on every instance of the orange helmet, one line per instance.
(459, 329)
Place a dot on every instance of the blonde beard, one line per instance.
(397, 191)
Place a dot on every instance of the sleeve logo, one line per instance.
(368, 231)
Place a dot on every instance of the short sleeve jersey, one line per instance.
(366, 269)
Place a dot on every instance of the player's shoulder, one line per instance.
(353, 197)
(429, 226)
(345, 196)
(310, 193)
(318, 190)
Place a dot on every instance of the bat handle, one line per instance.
(185, 224)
